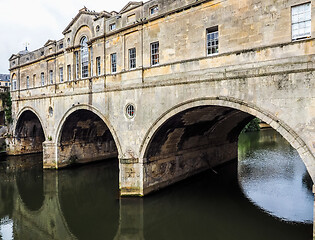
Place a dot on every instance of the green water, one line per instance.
(269, 198)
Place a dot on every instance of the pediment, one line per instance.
(130, 6)
(14, 56)
(50, 42)
(83, 11)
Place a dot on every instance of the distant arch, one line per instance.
(24, 109)
(29, 132)
(288, 133)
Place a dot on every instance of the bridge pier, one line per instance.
(49, 155)
(130, 177)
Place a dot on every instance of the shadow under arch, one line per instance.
(29, 131)
(237, 105)
(84, 134)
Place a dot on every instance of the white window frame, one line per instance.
(91, 61)
(69, 72)
(77, 65)
(154, 10)
(42, 78)
(112, 26)
(113, 62)
(84, 57)
(14, 82)
(27, 82)
(212, 41)
(61, 74)
(301, 21)
(132, 58)
(51, 77)
(155, 53)
(98, 66)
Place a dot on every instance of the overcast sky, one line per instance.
(36, 21)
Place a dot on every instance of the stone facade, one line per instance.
(189, 101)
(5, 82)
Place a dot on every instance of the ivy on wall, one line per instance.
(7, 105)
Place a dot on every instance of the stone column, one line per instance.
(130, 177)
(49, 155)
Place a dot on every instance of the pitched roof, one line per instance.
(50, 42)
(130, 6)
(81, 12)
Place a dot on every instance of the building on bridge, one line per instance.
(167, 86)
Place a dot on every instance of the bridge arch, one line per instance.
(231, 103)
(30, 130)
(86, 126)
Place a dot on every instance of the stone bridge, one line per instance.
(166, 87)
(187, 116)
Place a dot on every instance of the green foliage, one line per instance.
(7, 105)
(252, 126)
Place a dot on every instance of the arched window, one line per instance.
(84, 58)
(14, 82)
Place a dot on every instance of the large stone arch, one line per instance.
(279, 125)
(29, 132)
(66, 118)
(37, 115)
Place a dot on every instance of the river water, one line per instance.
(269, 198)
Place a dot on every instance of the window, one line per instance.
(301, 21)
(42, 53)
(132, 58)
(154, 10)
(155, 57)
(131, 18)
(42, 77)
(34, 79)
(27, 82)
(130, 110)
(212, 41)
(97, 28)
(98, 66)
(84, 58)
(51, 76)
(69, 72)
(76, 55)
(91, 51)
(112, 26)
(61, 46)
(113, 60)
(61, 74)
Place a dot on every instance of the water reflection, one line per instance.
(88, 199)
(83, 203)
(273, 176)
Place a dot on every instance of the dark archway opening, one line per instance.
(29, 134)
(193, 141)
(85, 138)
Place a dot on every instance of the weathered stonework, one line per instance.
(189, 108)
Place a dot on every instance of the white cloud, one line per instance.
(37, 21)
